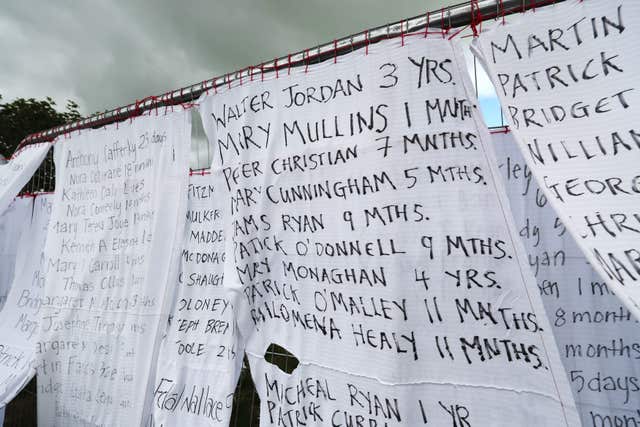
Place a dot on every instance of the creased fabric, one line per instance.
(200, 356)
(567, 78)
(14, 221)
(20, 316)
(118, 212)
(369, 235)
(598, 338)
(18, 170)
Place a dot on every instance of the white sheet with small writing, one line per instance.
(598, 338)
(118, 215)
(19, 318)
(199, 359)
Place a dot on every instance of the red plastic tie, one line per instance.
(504, 129)
(448, 27)
(402, 33)
(366, 42)
(275, 65)
(474, 30)
(502, 11)
(166, 103)
(335, 51)
(136, 108)
(262, 72)
(455, 33)
(426, 27)
(442, 22)
(476, 18)
(306, 56)
(289, 64)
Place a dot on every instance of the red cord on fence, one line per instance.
(476, 18)
(366, 42)
(426, 25)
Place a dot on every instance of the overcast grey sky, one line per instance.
(110, 53)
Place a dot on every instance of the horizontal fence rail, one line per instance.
(443, 20)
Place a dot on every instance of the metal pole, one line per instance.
(450, 17)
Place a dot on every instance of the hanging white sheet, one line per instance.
(199, 359)
(14, 221)
(598, 338)
(13, 176)
(118, 214)
(567, 77)
(18, 170)
(369, 235)
(19, 318)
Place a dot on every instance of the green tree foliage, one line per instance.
(22, 117)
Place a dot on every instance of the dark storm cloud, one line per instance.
(107, 54)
